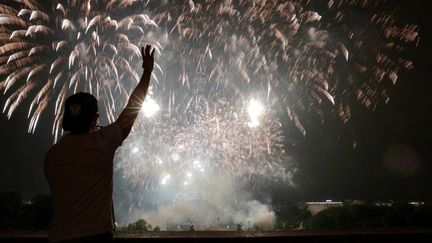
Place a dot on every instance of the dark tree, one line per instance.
(10, 209)
(37, 214)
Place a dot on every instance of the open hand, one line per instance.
(148, 58)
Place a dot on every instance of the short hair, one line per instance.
(79, 112)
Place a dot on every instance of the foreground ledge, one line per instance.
(392, 235)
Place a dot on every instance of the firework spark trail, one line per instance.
(65, 46)
(223, 55)
(215, 59)
(214, 133)
(288, 47)
(281, 43)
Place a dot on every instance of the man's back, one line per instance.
(79, 169)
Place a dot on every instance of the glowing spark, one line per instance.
(149, 107)
(197, 164)
(165, 179)
(255, 110)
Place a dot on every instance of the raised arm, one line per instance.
(130, 112)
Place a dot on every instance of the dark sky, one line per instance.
(329, 167)
(399, 132)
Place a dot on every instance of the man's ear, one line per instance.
(95, 121)
(96, 118)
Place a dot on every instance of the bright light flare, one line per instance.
(165, 179)
(149, 107)
(197, 164)
(255, 110)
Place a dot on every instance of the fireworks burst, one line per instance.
(289, 50)
(227, 70)
(55, 49)
(214, 137)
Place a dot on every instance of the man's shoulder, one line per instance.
(52, 150)
(110, 135)
(55, 148)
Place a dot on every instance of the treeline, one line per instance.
(352, 216)
(398, 215)
(17, 214)
(138, 226)
(35, 214)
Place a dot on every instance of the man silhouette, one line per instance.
(79, 168)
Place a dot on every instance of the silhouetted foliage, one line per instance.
(18, 214)
(10, 209)
(290, 216)
(37, 215)
(239, 227)
(15, 213)
(138, 226)
(399, 214)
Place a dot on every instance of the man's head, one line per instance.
(80, 113)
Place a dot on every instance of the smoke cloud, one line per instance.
(223, 204)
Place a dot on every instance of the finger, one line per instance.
(147, 50)
(142, 51)
(152, 53)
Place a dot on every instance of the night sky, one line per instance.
(332, 169)
(392, 158)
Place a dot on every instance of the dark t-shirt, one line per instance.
(79, 169)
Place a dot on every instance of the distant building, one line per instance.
(382, 204)
(416, 204)
(27, 202)
(356, 202)
(390, 203)
(316, 207)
